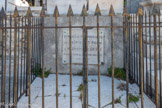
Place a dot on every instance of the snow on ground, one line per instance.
(64, 90)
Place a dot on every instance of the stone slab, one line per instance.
(77, 47)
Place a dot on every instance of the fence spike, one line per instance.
(42, 12)
(16, 13)
(29, 13)
(125, 13)
(140, 11)
(111, 12)
(97, 12)
(84, 11)
(56, 12)
(3, 13)
(70, 11)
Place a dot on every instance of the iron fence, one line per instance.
(28, 48)
(145, 53)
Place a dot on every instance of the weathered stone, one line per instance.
(63, 6)
(105, 6)
(77, 46)
(78, 21)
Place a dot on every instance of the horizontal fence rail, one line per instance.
(22, 54)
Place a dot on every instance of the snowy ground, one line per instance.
(64, 90)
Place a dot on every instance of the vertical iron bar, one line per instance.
(84, 65)
(98, 49)
(150, 54)
(160, 59)
(18, 67)
(137, 61)
(26, 64)
(127, 61)
(21, 56)
(9, 90)
(155, 53)
(42, 29)
(29, 59)
(112, 57)
(134, 48)
(70, 58)
(141, 57)
(56, 42)
(146, 53)
(15, 62)
(2, 63)
(87, 62)
(4, 87)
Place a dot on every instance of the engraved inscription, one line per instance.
(77, 47)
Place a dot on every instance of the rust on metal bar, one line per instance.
(112, 14)
(84, 14)
(42, 33)
(3, 18)
(125, 14)
(56, 14)
(155, 12)
(9, 90)
(70, 14)
(29, 15)
(15, 57)
(140, 14)
(98, 13)
(160, 57)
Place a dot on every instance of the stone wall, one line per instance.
(105, 6)
(77, 6)
(78, 21)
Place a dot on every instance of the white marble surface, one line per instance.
(12, 3)
(63, 6)
(105, 6)
(64, 97)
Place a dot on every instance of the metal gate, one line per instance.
(28, 33)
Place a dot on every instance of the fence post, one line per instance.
(155, 12)
(56, 14)
(3, 78)
(29, 15)
(112, 14)
(125, 14)
(140, 14)
(98, 13)
(84, 14)
(70, 14)
(15, 57)
(42, 29)
(159, 15)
